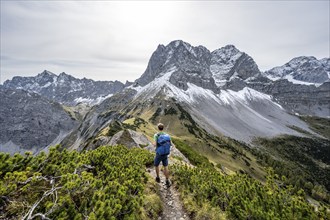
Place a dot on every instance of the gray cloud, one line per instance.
(110, 40)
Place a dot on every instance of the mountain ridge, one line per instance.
(65, 88)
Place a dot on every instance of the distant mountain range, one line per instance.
(222, 92)
(302, 70)
(65, 88)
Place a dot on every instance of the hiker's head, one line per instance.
(160, 126)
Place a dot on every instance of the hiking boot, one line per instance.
(157, 179)
(168, 183)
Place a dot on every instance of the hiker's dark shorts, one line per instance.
(163, 158)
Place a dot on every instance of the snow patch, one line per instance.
(46, 85)
(90, 101)
(245, 96)
(294, 81)
(155, 84)
(273, 78)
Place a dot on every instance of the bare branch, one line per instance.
(42, 216)
(6, 199)
(28, 215)
(30, 179)
(89, 167)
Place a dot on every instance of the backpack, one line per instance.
(163, 144)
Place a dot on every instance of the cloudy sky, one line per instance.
(112, 40)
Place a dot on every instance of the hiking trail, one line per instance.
(172, 205)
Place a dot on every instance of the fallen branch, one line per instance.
(28, 215)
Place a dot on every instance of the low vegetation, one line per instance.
(193, 156)
(303, 161)
(208, 194)
(106, 183)
(319, 125)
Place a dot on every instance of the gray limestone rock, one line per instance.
(189, 65)
(130, 138)
(31, 122)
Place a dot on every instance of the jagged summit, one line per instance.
(303, 70)
(46, 73)
(197, 65)
(177, 55)
(65, 88)
(226, 51)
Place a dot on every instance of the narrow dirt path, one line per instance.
(173, 207)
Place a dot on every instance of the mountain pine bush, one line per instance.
(106, 183)
(239, 196)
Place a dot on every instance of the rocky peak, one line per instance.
(176, 55)
(197, 65)
(303, 69)
(228, 63)
(326, 63)
(44, 78)
(63, 77)
(46, 73)
(187, 64)
(226, 53)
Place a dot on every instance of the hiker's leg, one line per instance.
(157, 171)
(156, 163)
(166, 172)
(165, 165)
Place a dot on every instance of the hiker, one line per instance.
(163, 145)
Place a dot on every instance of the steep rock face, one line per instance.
(301, 99)
(100, 116)
(189, 64)
(228, 62)
(65, 88)
(31, 122)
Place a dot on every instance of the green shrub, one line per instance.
(106, 183)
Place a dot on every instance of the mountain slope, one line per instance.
(31, 122)
(65, 88)
(241, 115)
